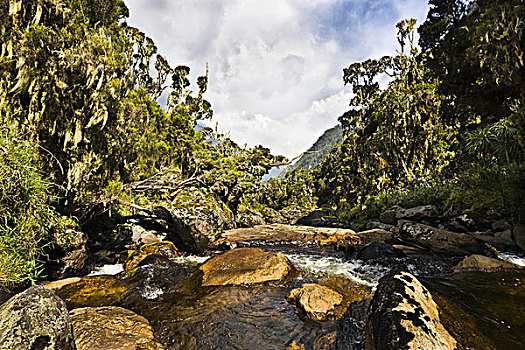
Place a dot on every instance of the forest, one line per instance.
(127, 223)
(83, 133)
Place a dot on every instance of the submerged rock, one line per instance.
(244, 266)
(403, 315)
(378, 250)
(35, 319)
(110, 328)
(483, 263)
(318, 302)
(94, 292)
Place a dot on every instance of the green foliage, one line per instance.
(393, 137)
(27, 221)
(295, 189)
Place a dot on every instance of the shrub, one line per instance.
(26, 218)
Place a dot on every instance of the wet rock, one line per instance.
(94, 292)
(110, 328)
(351, 327)
(379, 250)
(351, 291)
(321, 218)
(424, 214)
(438, 240)
(318, 302)
(518, 234)
(483, 263)
(244, 266)
(248, 218)
(165, 249)
(501, 225)
(403, 315)
(281, 233)
(378, 225)
(35, 319)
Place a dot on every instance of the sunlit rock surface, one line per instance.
(110, 328)
(318, 302)
(35, 319)
(403, 315)
(483, 263)
(245, 266)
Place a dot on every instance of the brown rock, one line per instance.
(165, 249)
(244, 266)
(403, 315)
(318, 302)
(56, 285)
(483, 263)
(109, 328)
(302, 235)
(93, 291)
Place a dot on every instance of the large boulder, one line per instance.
(200, 214)
(282, 233)
(483, 263)
(248, 218)
(110, 328)
(438, 240)
(403, 315)
(244, 266)
(317, 301)
(423, 213)
(35, 319)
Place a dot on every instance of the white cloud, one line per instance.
(275, 66)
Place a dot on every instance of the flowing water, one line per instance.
(186, 316)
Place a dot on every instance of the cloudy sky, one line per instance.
(275, 65)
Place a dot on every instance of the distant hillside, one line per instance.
(321, 147)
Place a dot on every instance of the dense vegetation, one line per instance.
(447, 130)
(83, 133)
(82, 128)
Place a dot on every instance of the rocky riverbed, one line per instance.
(412, 279)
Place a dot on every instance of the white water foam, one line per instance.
(107, 270)
(324, 265)
(191, 259)
(151, 293)
(512, 258)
